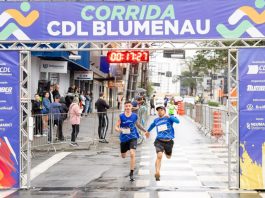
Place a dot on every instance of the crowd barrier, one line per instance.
(48, 130)
(212, 121)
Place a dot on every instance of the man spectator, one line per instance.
(152, 105)
(56, 91)
(56, 118)
(135, 104)
(102, 107)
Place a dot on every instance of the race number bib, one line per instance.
(162, 127)
(126, 130)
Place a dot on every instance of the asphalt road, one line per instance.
(198, 168)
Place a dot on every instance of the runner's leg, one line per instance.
(158, 165)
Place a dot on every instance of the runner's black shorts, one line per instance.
(164, 146)
(126, 146)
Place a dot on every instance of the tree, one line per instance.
(188, 77)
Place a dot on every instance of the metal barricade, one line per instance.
(55, 129)
(205, 117)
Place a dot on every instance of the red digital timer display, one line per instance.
(128, 57)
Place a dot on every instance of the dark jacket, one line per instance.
(55, 93)
(101, 105)
(36, 107)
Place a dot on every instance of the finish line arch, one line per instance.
(164, 23)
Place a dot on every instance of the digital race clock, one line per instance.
(128, 57)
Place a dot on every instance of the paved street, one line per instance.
(198, 168)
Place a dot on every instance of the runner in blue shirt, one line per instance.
(165, 135)
(126, 126)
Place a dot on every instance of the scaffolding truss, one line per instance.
(25, 114)
(123, 45)
(26, 47)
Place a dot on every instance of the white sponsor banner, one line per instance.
(83, 75)
(53, 66)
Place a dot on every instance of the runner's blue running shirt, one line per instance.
(129, 122)
(164, 127)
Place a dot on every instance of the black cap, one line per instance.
(160, 107)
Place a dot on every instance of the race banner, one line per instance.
(148, 20)
(9, 120)
(252, 118)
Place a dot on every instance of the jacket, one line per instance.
(46, 105)
(101, 105)
(75, 114)
(55, 108)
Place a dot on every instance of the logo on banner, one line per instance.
(255, 125)
(250, 107)
(244, 26)
(18, 16)
(6, 90)
(255, 69)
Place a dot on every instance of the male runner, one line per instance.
(165, 135)
(128, 134)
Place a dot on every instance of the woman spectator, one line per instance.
(75, 115)
(45, 111)
(36, 111)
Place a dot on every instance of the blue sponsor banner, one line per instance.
(252, 118)
(9, 120)
(149, 20)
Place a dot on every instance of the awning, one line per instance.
(77, 65)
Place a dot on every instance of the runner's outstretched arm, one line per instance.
(139, 126)
(174, 119)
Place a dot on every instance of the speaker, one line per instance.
(43, 86)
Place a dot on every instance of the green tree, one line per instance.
(188, 77)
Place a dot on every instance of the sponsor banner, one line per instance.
(83, 75)
(9, 120)
(148, 20)
(252, 118)
(53, 66)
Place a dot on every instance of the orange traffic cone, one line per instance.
(217, 130)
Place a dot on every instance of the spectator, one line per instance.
(75, 115)
(82, 99)
(165, 102)
(135, 106)
(36, 111)
(56, 91)
(91, 102)
(102, 107)
(119, 100)
(56, 119)
(142, 113)
(45, 111)
(87, 103)
(152, 105)
(72, 89)
(50, 94)
(63, 109)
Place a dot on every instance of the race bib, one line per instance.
(162, 127)
(126, 130)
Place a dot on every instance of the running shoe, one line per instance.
(132, 178)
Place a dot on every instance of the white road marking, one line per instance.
(41, 168)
